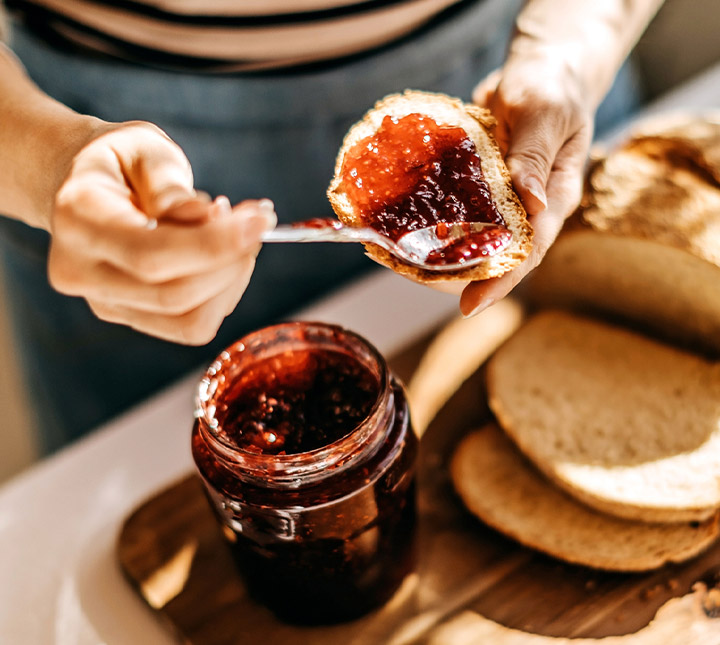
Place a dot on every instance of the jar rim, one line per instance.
(301, 463)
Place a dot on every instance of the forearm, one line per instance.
(590, 37)
(3, 24)
(38, 139)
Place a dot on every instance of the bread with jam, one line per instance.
(420, 158)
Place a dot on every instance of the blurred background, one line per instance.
(680, 43)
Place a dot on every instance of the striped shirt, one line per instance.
(230, 35)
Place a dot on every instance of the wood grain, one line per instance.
(172, 551)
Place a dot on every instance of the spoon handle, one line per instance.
(298, 233)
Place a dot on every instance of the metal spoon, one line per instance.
(442, 247)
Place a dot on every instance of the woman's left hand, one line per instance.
(544, 130)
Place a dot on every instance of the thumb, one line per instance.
(486, 88)
(534, 144)
(159, 173)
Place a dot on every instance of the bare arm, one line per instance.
(38, 140)
(3, 24)
(561, 63)
(591, 37)
(128, 232)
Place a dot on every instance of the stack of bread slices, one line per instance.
(605, 445)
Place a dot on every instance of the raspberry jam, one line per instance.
(473, 244)
(297, 401)
(413, 173)
(304, 444)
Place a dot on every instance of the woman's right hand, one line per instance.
(132, 237)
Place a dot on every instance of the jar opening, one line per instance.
(294, 399)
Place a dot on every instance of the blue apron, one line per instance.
(270, 135)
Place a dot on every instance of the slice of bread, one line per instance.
(478, 124)
(626, 424)
(645, 244)
(455, 353)
(501, 488)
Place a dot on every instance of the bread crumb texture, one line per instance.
(645, 243)
(505, 491)
(478, 123)
(624, 423)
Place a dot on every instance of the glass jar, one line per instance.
(303, 441)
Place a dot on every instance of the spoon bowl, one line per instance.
(443, 247)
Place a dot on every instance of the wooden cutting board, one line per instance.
(173, 554)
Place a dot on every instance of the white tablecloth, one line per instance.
(59, 582)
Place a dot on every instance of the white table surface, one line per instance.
(59, 581)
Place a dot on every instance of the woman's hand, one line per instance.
(132, 237)
(544, 129)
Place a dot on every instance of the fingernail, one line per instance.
(484, 304)
(535, 188)
(266, 209)
(222, 205)
(266, 205)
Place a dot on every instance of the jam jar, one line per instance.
(303, 440)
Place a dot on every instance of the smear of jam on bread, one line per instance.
(413, 173)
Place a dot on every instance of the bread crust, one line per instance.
(478, 124)
(541, 516)
(612, 441)
(644, 244)
(654, 189)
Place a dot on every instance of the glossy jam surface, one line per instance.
(329, 552)
(327, 546)
(297, 401)
(476, 243)
(413, 173)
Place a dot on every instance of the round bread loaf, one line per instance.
(505, 491)
(645, 244)
(477, 124)
(624, 423)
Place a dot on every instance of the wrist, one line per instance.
(38, 141)
(563, 65)
(588, 40)
(63, 138)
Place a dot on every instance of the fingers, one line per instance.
(539, 107)
(195, 327)
(485, 89)
(536, 141)
(544, 128)
(140, 162)
(171, 250)
(179, 285)
(153, 165)
(478, 296)
(186, 310)
(564, 190)
(131, 236)
(105, 284)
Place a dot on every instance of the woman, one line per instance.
(248, 100)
